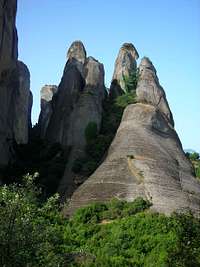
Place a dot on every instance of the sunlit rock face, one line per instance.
(146, 158)
(77, 102)
(15, 102)
(149, 90)
(125, 64)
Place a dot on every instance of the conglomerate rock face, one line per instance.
(14, 86)
(125, 64)
(78, 102)
(146, 157)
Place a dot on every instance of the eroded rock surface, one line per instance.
(146, 157)
(14, 86)
(8, 34)
(78, 101)
(125, 64)
(47, 93)
(149, 90)
(22, 104)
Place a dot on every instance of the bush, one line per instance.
(130, 81)
(197, 171)
(194, 156)
(116, 233)
(30, 232)
(126, 99)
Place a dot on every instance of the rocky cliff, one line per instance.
(15, 96)
(125, 64)
(77, 102)
(47, 93)
(146, 157)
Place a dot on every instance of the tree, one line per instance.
(30, 231)
(130, 81)
(194, 156)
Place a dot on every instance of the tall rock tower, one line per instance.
(77, 102)
(125, 64)
(146, 158)
(15, 96)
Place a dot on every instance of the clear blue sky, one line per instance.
(167, 31)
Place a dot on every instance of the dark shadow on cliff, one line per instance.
(48, 159)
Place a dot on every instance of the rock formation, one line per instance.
(149, 90)
(124, 65)
(47, 93)
(78, 101)
(14, 86)
(146, 157)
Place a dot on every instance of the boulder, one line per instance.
(145, 159)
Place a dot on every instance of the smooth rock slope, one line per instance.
(146, 157)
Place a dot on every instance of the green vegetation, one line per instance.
(130, 81)
(195, 160)
(116, 233)
(30, 231)
(126, 99)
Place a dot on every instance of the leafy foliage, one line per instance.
(116, 233)
(130, 81)
(195, 160)
(126, 99)
(30, 232)
(193, 156)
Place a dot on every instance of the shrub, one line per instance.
(132, 237)
(126, 99)
(130, 81)
(30, 232)
(197, 171)
(35, 234)
(194, 156)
